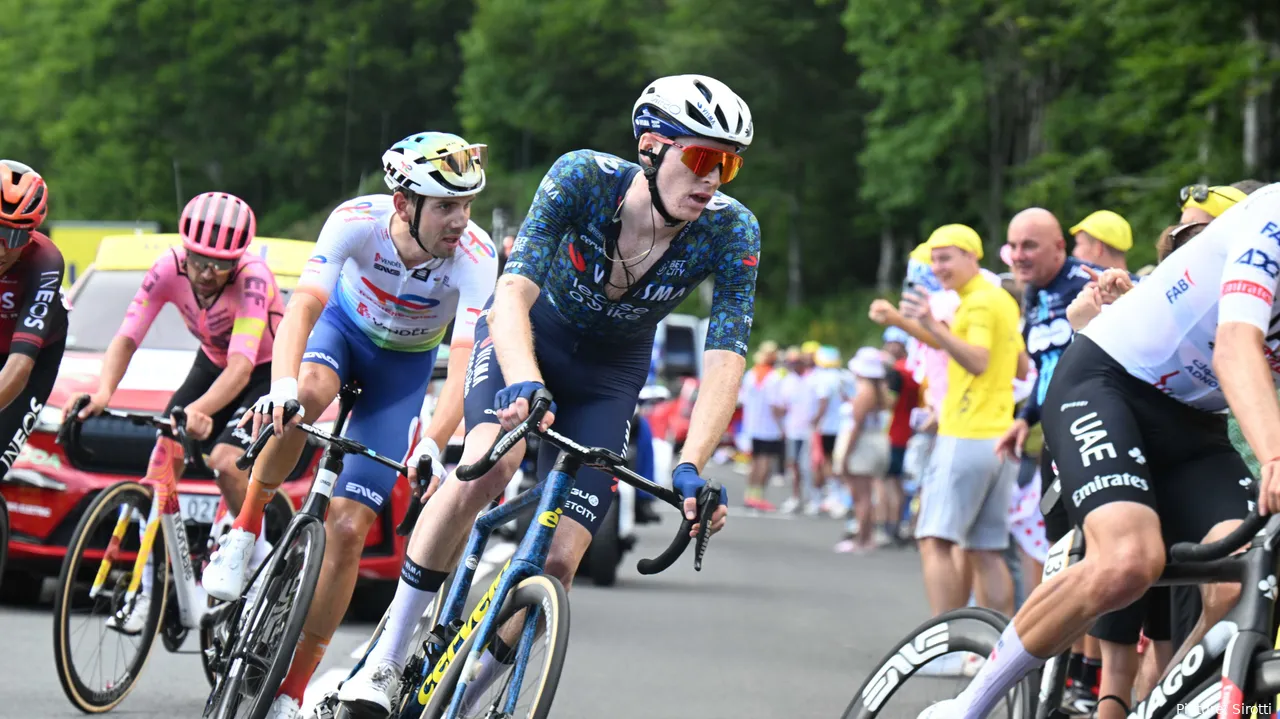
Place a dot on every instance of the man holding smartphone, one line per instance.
(966, 488)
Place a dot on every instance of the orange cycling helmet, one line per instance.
(217, 225)
(24, 202)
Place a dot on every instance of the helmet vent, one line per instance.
(694, 114)
(720, 116)
(706, 93)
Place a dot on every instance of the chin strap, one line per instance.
(413, 226)
(651, 174)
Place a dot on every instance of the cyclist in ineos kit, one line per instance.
(230, 301)
(1135, 419)
(389, 274)
(607, 250)
(33, 320)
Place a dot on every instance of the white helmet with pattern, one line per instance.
(435, 164)
(693, 106)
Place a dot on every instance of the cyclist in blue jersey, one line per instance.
(388, 276)
(608, 249)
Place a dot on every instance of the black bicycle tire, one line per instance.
(528, 593)
(980, 645)
(79, 694)
(206, 634)
(310, 531)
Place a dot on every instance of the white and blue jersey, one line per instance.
(1045, 328)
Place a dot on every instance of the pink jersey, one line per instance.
(242, 319)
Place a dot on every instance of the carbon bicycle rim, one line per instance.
(269, 629)
(112, 524)
(949, 646)
(547, 604)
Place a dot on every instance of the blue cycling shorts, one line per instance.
(394, 384)
(595, 387)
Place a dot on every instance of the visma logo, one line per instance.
(365, 492)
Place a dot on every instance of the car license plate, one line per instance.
(199, 508)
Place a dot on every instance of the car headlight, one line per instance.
(49, 420)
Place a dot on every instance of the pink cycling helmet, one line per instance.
(217, 224)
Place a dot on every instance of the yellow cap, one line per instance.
(1220, 199)
(921, 253)
(961, 236)
(1108, 228)
(810, 347)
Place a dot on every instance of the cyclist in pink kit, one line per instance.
(231, 303)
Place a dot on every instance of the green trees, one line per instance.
(877, 120)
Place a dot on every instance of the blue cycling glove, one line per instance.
(509, 394)
(686, 481)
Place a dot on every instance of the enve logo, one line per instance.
(550, 519)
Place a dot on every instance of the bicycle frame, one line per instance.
(166, 516)
(528, 560)
(1241, 640)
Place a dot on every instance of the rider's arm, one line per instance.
(36, 319)
(550, 217)
(474, 290)
(147, 303)
(724, 357)
(14, 377)
(1240, 353)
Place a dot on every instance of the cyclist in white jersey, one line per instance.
(389, 274)
(1135, 419)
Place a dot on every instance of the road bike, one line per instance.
(435, 679)
(265, 625)
(1230, 672)
(124, 527)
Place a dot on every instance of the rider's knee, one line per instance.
(1125, 570)
(562, 565)
(1219, 599)
(347, 530)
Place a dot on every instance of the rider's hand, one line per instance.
(1013, 440)
(1269, 492)
(512, 405)
(1087, 305)
(883, 312)
(270, 407)
(686, 481)
(97, 403)
(199, 424)
(426, 447)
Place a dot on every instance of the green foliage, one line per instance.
(874, 119)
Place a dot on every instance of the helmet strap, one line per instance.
(413, 224)
(651, 174)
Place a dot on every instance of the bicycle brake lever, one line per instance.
(708, 502)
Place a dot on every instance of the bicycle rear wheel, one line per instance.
(267, 632)
(112, 525)
(974, 631)
(547, 606)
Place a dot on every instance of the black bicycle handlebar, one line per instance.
(348, 446)
(708, 497)
(193, 457)
(1210, 551)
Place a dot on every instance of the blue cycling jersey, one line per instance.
(573, 226)
(1045, 328)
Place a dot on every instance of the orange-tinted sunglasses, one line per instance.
(702, 159)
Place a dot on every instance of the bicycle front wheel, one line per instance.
(269, 628)
(544, 606)
(93, 624)
(949, 649)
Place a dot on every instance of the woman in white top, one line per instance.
(862, 449)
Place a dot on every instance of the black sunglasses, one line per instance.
(1199, 193)
(198, 263)
(13, 238)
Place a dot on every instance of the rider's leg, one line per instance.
(438, 539)
(345, 530)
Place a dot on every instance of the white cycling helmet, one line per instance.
(693, 106)
(435, 164)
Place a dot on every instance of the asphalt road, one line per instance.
(775, 625)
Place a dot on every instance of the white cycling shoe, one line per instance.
(373, 688)
(136, 621)
(945, 709)
(284, 708)
(228, 569)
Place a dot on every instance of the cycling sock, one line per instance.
(493, 662)
(305, 660)
(1091, 674)
(417, 587)
(148, 574)
(255, 501)
(1008, 663)
(1075, 669)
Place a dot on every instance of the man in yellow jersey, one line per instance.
(966, 489)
